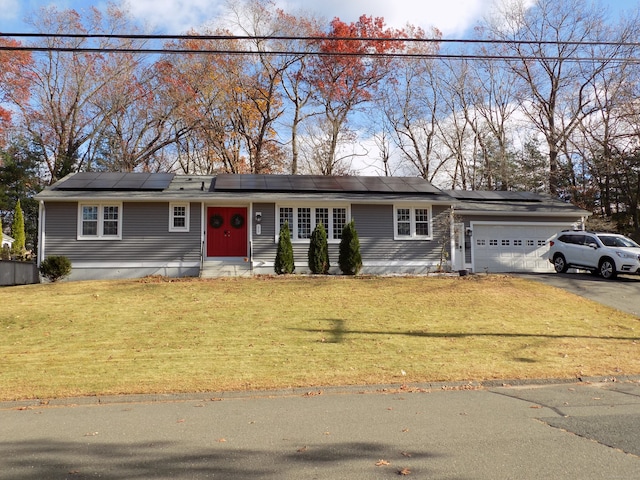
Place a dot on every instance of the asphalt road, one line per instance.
(622, 293)
(578, 431)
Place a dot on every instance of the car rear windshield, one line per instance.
(615, 241)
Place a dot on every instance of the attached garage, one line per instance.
(510, 231)
(503, 247)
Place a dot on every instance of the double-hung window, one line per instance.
(412, 223)
(178, 217)
(100, 221)
(303, 220)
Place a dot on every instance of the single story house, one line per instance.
(127, 225)
(6, 241)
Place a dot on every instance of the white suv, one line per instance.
(606, 254)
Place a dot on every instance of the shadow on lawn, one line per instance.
(44, 459)
(338, 332)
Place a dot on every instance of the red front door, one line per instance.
(226, 232)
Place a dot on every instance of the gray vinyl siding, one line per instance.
(374, 224)
(145, 235)
(263, 246)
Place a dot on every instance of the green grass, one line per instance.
(154, 335)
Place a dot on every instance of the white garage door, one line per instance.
(512, 248)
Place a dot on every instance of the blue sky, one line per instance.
(453, 17)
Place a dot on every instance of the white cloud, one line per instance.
(10, 12)
(452, 17)
(173, 16)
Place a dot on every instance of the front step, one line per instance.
(225, 268)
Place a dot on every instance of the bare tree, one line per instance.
(62, 118)
(544, 40)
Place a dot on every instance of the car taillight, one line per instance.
(551, 243)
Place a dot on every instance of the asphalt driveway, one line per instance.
(622, 293)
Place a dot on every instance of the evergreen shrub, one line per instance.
(284, 257)
(350, 260)
(319, 251)
(55, 267)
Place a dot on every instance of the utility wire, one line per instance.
(315, 39)
(318, 39)
(441, 56)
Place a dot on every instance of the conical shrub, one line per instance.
(350, 260)
(284, 257)
(319, 251)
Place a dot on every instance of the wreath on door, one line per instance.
(216, 221)
(237, 221)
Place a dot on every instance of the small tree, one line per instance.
(55, 268)
(319, 251)
(284, 257)
(350, 260)
(17, 231)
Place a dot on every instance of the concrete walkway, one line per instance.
(560, 431)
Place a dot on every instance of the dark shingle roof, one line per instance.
(493, 202)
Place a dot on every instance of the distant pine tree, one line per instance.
(17, 231)
(350, 260)
(319, 251)
(284, 257)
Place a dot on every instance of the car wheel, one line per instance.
(607, 268)
(560, 264)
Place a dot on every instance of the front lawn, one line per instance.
(156, 336)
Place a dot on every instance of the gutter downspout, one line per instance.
(41, 236)
(452, 237)
(203, 226)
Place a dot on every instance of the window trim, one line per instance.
(313, 216)
(412, 222)
(100, 227)
(172, 217)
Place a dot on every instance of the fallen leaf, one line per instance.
(302, 449)
(381, 463)
(405, 430)
(222, 440)
(535, 406)
(405, 454)
(313, 394)
(404, 471)
(181, 420)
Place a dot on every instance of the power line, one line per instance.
(168, 50)
(434, 56)
(319, 39)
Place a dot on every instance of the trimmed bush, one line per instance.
(55, 267)
(284, 257)
(319, 251)
(350, 260)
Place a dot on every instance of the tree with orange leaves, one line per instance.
(351, 64)
(14, 86)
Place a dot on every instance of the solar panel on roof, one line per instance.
(495, 195)
(252, 182)
(277, 183)
(327, 184)
(116, 181)
(322, 183)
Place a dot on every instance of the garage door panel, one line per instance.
(512, 248)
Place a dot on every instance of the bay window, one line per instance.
(303, 220)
